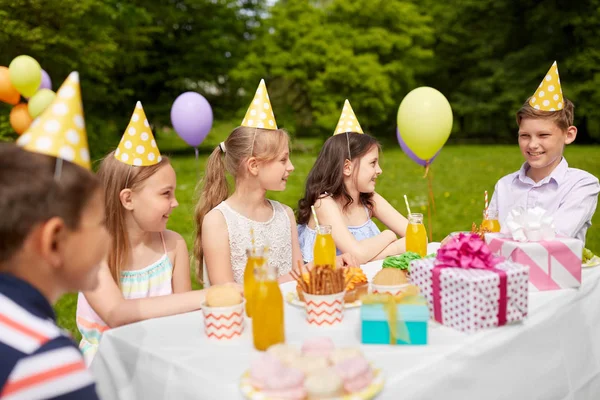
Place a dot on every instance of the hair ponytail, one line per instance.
(213, 189)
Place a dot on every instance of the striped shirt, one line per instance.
(37, 359)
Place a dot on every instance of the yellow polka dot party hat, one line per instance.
(548, 96)
(260, 113)
(348, 121)
(137, 146)
(60, 130)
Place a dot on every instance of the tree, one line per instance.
(314, 54)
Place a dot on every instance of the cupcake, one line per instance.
(390, 280)
(223, 311)
(222, 296)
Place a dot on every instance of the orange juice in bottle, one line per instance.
(416, 236)
(490, 220)
(267, 311)
(324, 248)
(256, 258)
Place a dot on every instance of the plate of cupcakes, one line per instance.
(317, 370)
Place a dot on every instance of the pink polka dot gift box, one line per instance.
(468, 288)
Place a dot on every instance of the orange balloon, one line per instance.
(20, 118)
(8, 93)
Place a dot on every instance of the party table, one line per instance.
(553, 354)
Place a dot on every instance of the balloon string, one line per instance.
(430, 200)
(430, 184)
(197, 163)
(426, 168)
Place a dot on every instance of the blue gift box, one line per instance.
(375, 327)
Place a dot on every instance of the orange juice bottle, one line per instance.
(490, 220)
(324, 248)
(256, 259)
(416, 236)
(267, 311)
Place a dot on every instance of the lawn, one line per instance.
(460, 176)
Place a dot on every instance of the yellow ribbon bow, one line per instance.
(390, 302)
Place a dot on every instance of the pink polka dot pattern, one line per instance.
(470, 298)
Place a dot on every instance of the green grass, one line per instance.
(460, 175)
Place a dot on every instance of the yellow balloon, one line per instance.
(25, 75)
(40, 101)
(425, 121)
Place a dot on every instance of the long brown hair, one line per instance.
(327, 175)
(30, 194)
(241, 144)
(116, 176)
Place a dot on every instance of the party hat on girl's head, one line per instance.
(60, 130)
(348, 121)
(137, 146)
(260, 112)
(548, 96)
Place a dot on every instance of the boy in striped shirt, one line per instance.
(52, 240)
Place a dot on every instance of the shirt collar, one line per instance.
(25, 295)
(557, 175)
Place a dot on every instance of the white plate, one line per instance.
(292, 298)
(367, 393)
(593, 262)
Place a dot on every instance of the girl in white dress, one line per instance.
(256, 154)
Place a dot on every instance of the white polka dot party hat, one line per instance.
(260, 113)
(348, 121)
(137, 146)
(60, 130)
(548, 96)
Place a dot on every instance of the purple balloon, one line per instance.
(410, 153)
(192, 117)
(46, 81)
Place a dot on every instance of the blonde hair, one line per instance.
(116, 176)
(562, 118)
(241, 144)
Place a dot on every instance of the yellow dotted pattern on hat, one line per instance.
(348, 121)
(137, 146)
(548, 96)
(60, 130)
(260, 113)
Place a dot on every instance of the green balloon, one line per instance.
(425, 121)
(40, 101)
(25, 75)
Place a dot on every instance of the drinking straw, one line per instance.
(407, 206)
(316, 219)
(486, 203)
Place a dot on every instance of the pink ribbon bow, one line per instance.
(467, 251)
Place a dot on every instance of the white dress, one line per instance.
(275, 233)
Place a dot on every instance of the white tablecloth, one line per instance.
(553, 354)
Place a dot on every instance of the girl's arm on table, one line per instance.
(110, 305)
(364, 251)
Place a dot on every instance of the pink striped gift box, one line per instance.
(553, 264)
